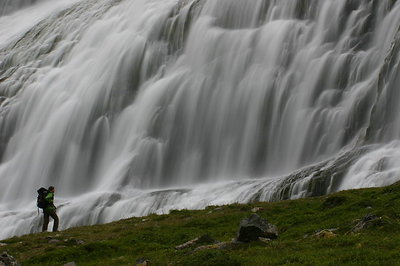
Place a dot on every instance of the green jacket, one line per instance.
(50, 202)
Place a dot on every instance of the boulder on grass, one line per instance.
(254, 227)
(8, 260)
(369, 220)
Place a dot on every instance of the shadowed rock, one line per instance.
(143, 262)
(250, 229)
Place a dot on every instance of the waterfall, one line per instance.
(130, 107)
(9, 6)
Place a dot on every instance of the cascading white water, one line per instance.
(136, 106)
(9, 6)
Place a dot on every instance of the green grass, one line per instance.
(155, 237)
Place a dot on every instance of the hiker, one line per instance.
(50, 210)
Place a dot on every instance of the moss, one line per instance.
(210, 257)
(334, 201)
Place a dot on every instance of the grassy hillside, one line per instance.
(130, 241)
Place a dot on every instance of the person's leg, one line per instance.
(45, 221)
(53, 215)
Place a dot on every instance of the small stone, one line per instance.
(204, 239)
(79, 242)
(264, 240)
(8, 260)
(72, 263)
(54, 241)
(257, 209)
(326, 233)
(205, 247)
(143, 262)
(220, 245)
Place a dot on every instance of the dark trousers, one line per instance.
(47, 215)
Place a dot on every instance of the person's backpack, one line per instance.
(41, 198)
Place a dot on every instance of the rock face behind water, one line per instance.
(254, 227)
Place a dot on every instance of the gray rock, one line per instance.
(252, 228)
(54, 241)
(8, 260)
(72, 263)
(325, 233)
(204, 239)
(257, 209)
(264, 240)
(78, 241)
(219, 246)
(74, 241)
(143, 262)
(3, 244)
(367, 221)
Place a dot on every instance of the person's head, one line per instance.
(51, 189)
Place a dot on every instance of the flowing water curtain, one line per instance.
(266, 92)
(225, 89)
(36, 121)
(300, 90)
